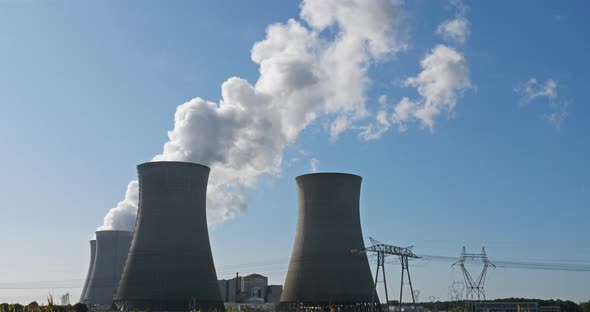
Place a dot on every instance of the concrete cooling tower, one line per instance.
(170, 266)
(111, 252)
(323, 271)
(92, 255)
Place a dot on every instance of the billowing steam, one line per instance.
(443, 80)
(310, 68)
(122, 217)
(303, 75)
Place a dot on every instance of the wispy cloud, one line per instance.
(558, 115)
(314, 164)
(533, 89)
(380, 126)
(456, 29)
(444, 78)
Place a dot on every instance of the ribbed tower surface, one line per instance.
(90, 267)
(323, 270)
(170, 265)
(112, 248)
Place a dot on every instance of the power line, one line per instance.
(280, 265)
(550, 265)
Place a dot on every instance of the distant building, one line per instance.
(273, 293)
(550, 309)
(230, 288)
(406, 308)
(507, 307)
(252, 288)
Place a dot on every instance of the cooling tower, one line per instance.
(323, 271)
(170, 266)
(111, 252)
(90, 267)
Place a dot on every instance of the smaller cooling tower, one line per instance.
(170, 265)
(323, 271)
(92, 254)
(112, 248)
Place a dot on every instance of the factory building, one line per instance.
(273, 293)
(230, 288)
(112, 248)
(170, 266)
(507, 307)
(554, 308)
(90, 267)
(252, 289)
(323, 271)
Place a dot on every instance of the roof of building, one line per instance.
(255, 275)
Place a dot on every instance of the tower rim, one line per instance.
(327, 174)
(158, 163)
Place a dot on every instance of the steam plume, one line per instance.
(305, 72)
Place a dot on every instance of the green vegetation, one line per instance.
(456, 306)
(50, 307)
(450, 306)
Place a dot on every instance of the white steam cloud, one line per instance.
(306, 71)
(314, 164)
(122, 217)
(456, 29)
(443, 80)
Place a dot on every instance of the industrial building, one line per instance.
(90, 267)
(252, 289)
(507, 307)
(273, 293)
(554, 308)
(112, 248)
(323, 271)
(230, 288)
(170, 266)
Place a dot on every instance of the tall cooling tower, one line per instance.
(323, 271)
(92, 254)
(111, 252)
(170, 266)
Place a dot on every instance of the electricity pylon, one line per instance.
(383, 250)
(456, 291)
(474, 287)
(65, 299)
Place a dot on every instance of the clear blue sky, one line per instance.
(88, 90)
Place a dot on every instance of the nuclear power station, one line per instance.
(111, 252)
(90, 267)
(323, 271)
(170, 266)
(167, 265)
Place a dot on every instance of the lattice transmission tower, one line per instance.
(404, 254)
(456, 291)
(474, 287)
(65, 299)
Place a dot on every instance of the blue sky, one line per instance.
(89, 90)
